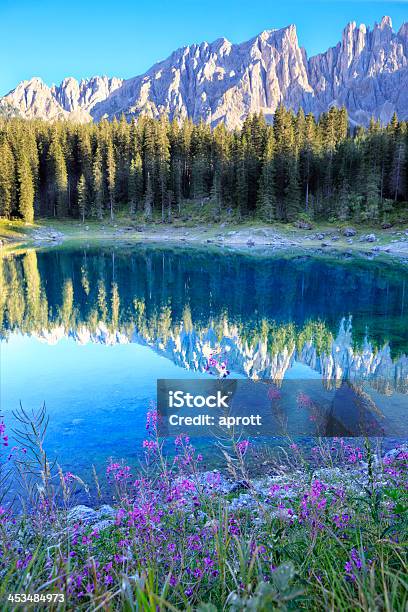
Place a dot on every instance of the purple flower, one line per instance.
(274, 394)
(150, 445)
(242, 447)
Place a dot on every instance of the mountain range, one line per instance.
(367, 72)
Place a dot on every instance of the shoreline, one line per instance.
(323, 239)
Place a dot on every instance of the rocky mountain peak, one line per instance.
(367, 71)
(385, 23)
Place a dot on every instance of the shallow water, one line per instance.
(89, 330)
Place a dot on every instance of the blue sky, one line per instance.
(53, 39)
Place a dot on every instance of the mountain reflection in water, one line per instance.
(266, 316)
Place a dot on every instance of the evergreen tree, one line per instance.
(58, 178)
(241, 182)
(148, 203)
(398, 164)
(266, 195)
(322, 168)
(163, 163)
(85, 159)
(111, 176)
(216, 195)
(7, 179)
(82, 197)
(25, 188)
(98, 186)
(135, 187)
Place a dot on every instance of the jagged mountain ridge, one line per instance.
(191, 349)
(367, 71)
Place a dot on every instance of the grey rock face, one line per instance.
(33, 99)
(222, 82)
(366, 72)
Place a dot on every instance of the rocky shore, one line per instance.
(263, 493)
(302, 235)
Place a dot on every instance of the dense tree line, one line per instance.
(298, 165)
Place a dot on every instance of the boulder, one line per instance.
(104, 524)
(368, 238)
(303, 225)
(106, 511)
(396, 453)
(348, 232)
(83, 514)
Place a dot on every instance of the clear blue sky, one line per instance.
(53, 39)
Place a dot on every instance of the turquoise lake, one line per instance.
(89, 331)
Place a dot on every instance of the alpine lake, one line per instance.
(88, 331)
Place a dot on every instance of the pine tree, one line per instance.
(135, 187)
(322, 168)
(25, 188)
(148, 203)
(163, 163)
(7, 179)
(198, 172)
(216, 195)
(241, 182)
(121, 143)
(169, 201)
(85, 159)
(307, 155)
(58, 178)
(148, 128)
(266, 196)
(111, 176)
(398, 164)
(98, 185)
(286, 166)
(82, 197)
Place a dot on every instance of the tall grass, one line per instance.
(175, 541)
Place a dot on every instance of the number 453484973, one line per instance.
(36, 598)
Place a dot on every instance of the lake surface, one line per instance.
(89, 331)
